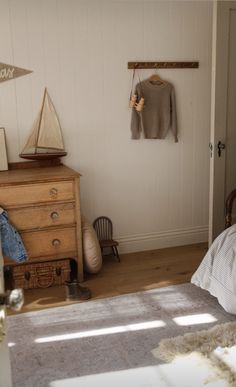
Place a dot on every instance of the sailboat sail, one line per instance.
(46, 136)
(32, 140)
(49, 135)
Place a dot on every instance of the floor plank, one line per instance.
(136, 272)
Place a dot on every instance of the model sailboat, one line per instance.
(45, 141)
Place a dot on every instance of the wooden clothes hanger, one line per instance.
(155, 77)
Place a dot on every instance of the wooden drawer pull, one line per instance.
(56, 242)
(53, 192)
(54, 215)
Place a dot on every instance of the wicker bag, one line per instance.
(41, 275)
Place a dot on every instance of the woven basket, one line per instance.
(41, 275)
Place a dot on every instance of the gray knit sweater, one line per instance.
(159, 113)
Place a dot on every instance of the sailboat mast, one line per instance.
(40, 119)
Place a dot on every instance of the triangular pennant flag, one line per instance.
(8, 72)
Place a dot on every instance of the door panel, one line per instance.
(231, 111)
(223, 116)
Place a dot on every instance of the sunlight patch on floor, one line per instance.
(192, 370)
(103, 331)
(194, 319)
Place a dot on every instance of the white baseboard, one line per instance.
(159, 240)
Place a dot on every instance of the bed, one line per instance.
(217, 271)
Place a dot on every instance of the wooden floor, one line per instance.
(136, 272)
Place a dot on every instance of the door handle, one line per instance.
(211, 149)
(220, 146)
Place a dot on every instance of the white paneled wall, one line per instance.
(155, 191)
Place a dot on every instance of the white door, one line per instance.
(223, 113)
(5, 369)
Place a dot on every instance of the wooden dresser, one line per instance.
(44, 205)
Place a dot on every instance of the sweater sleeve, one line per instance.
(173, 122)
(135, 119)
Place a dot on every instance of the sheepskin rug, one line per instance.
(217, 344)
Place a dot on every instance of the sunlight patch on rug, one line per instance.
(192, 319)
(103, 331)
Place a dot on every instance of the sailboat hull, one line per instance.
(43, 156)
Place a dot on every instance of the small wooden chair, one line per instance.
(228, 208)
(104, 230)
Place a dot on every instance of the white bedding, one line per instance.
(217, 271)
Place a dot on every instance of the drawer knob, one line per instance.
(56, 242)
(54, 215)
(53, 192)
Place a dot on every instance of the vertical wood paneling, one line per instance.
(79, 49)
(37, 80)
(8, 108)
(189, 50)
(201, 116)
(20, 49)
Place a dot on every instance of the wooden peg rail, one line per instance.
(163, 65)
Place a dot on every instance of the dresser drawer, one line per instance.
(36, 193)
(50, 242)
(42, 216)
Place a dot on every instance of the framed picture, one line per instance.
(3, 151)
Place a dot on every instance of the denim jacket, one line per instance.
(12, 245)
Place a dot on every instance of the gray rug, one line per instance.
(127, 342)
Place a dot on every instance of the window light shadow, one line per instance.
(11, 345)
(132, 306)
(194, 319)
(103, 331)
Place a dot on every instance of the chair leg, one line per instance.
(116, 253)
(113, 250)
